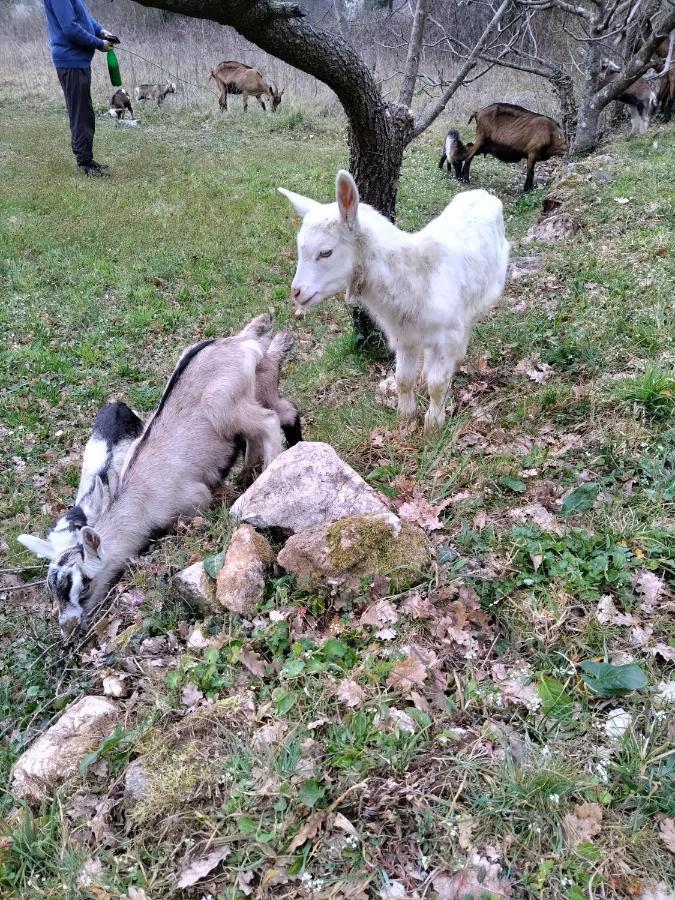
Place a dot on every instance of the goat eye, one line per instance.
(325, 254)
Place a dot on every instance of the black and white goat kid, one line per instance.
(189, 445)
(115, 429)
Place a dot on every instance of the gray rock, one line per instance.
(135, 783)
(241, 581)
(340, 554)
(552, 228)
(305, 487)
(522, 266)
(602, 176)
(56, 755)
(195, 584)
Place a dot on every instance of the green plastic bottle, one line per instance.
(114, 69)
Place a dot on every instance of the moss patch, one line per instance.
(367, 545)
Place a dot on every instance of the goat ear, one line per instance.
(347, 198)
(302, 205)
(37, 545)
(91, 542)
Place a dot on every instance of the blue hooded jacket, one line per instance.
(73, 33)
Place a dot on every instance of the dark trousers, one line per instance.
(76, 84)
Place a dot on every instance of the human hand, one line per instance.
(111, 38)
(106, 46)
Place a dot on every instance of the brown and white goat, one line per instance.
(187, 448)
(640, 97)
(234, 77)
(119, 103)
(511, 133)
(454, 153)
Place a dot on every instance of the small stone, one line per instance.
(602, 177)
(195, 584)
(56, 755)
(552, 228)
(135, 784)
(522, 266)
(342, 553)
(306, 487)
(241, 580)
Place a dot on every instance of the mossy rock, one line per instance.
(342, 553)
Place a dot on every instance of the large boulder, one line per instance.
(306, 487)
(342, 553)
(241, 580)
(56, 755)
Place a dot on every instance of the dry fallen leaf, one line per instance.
(481, 879)
(253, 663)
(199, 868)
(309, 830)
(418, 607)
(608, 614)
(407, 674)
(379, 614)
(191, 695)
(650, 586)
(480, 520)
(337, 820)
(583, 824)
(539, 515)
(350, 693)
(420, 512)
(667, 834)
(535, 370)
(244, 880)
(134, 893)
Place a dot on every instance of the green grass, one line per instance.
(102, 283)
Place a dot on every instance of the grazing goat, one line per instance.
(238, 78)
(425, 290)
(115, 429)
(640, 97)
(154, 91)
(185, 451)
(511, 133)
(454, 153)
(119, 103)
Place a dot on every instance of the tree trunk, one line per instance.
(563, 88)
(588, 118)
(375, 161)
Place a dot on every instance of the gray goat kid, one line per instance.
(154, 91)
(188, 446)
(115, 429)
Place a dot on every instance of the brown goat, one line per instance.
(664, 63)
(511, 133)
(454, 153)
(238, 78)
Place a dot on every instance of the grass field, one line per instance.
(555, 476)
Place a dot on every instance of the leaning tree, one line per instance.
(378, 130)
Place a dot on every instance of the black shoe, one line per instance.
(101, 166)
(93, 171)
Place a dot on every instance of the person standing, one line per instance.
(75, 36)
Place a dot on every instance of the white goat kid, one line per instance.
(115, 429)
(189, 444)
(425, 290)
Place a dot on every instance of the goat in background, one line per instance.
(425, 290)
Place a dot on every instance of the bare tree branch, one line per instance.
(412, 62)
(433, 110)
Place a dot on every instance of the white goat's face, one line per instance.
(327, 244)
(71, 579)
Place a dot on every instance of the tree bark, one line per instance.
(595, 98)
(563, 88)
